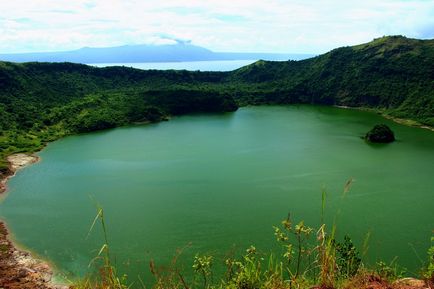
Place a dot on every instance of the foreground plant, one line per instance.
(202, 265)
(429, 271)
(322, 262)
(296, 251)
(108, 277)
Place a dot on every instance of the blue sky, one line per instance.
(221, 25)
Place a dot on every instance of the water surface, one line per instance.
(216, 65)
(221, 181)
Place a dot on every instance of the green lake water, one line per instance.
(218, 183)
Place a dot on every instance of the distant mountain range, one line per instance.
(145, 53)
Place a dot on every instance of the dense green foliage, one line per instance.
(40, 102)
(380, 133)
(391, 73)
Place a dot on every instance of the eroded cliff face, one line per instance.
(18, 269)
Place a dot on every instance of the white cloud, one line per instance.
(225, 25)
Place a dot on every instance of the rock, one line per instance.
(19, 161)
(380, 133)
(411, 283)
(19, 270)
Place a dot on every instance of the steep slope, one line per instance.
(393, 73)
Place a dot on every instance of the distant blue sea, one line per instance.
(217, 65)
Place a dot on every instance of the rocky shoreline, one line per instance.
(18, 269)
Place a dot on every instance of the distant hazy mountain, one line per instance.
(144, 53)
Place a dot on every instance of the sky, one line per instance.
(300, 26)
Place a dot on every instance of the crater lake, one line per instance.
(217, 183)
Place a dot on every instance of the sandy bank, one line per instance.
(16, 162)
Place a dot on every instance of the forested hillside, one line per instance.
(393, 73)
(40, 102)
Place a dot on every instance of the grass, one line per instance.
(428, 272)
(108, 276)
(311, 258)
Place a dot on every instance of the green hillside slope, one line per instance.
(393, 73)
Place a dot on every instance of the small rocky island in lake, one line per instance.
(380, 133)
